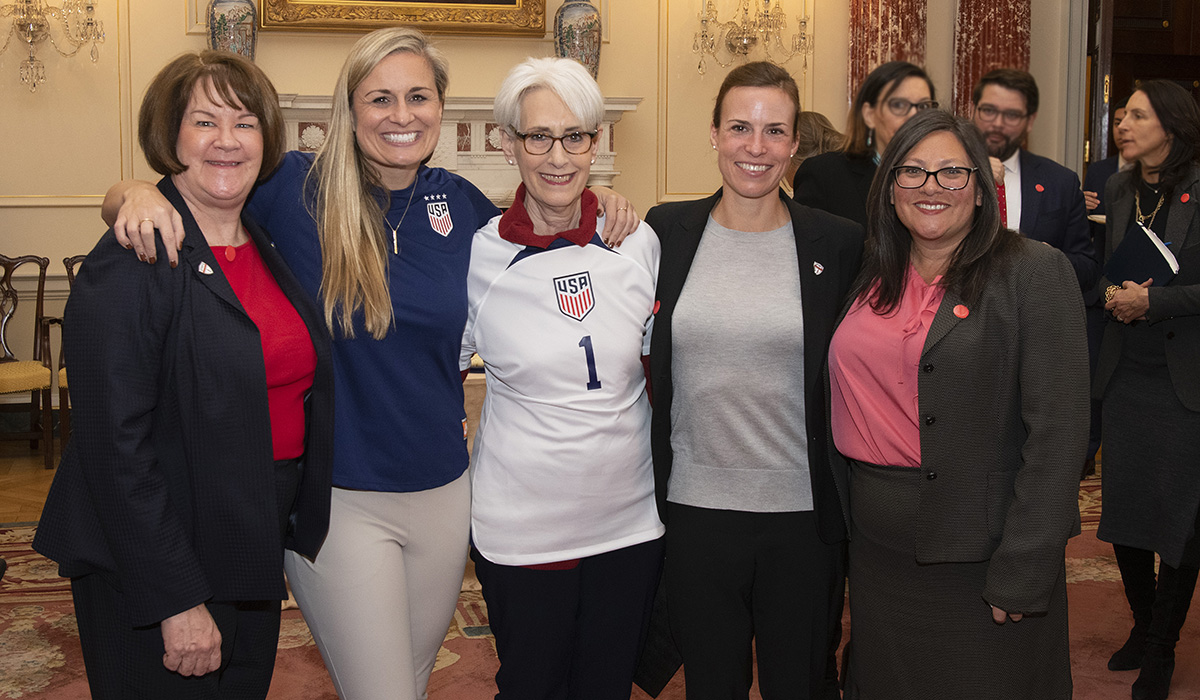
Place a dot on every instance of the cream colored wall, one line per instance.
(64, 145)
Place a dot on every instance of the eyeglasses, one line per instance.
(539, 143)
(989, 113)
(902, 107)
(910, 177)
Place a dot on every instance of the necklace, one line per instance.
(395, 245)
(1137, 203)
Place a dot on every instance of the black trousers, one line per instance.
(572, 634)
(126, 663)
(736, 579)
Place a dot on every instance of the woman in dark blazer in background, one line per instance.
(749, 285)
(838, 181)
(202, 400)
(1148, 375)
(959, 395)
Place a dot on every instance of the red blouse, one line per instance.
(288, 353)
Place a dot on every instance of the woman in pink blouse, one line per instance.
(959, 399)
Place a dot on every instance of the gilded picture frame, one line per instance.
(486, 17)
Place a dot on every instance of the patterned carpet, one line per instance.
(40, 658)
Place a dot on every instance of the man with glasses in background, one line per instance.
(1038, 197)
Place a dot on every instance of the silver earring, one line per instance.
(593, 160)
(714, 146)
(510, 161)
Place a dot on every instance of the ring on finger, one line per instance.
(144, 221)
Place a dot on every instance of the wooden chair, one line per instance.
(64, 396)
(33, 376)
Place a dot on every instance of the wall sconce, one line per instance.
(34, 22)
(757, 28)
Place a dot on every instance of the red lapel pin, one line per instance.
(962, 311)
(1039, 188)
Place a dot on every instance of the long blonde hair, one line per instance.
(349, 198)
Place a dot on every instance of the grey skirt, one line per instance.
(923, 631)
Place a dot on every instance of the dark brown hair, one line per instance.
(889, 243)
(1012, 79)
(1180, 119)
(879, 85)
(758, 74)
(234, 80)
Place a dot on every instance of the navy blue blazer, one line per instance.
(820, 238)
(1094, 181)
(1052, 211)
(167, 486)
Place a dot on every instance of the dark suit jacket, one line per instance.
(1055, 214)
(167, 487)
(1094, 181)
(1176, 306)
(1003, 404)
(837, 183)
(834, 243)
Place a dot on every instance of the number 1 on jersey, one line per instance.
(586, 343)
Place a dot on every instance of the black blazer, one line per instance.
(167, 487)
(1176, 306)
(1052, 211)
(833, 243)
(837, 183)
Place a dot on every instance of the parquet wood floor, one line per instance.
(24, 481)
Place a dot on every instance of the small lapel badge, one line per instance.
(961, 311)
(1185, 197)
(657, 304)
(818, 268)
(205, 269)
(1039, 188)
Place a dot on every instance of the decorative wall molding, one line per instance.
(469, 144)
(52, 201)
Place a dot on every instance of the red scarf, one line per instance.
(517, 227)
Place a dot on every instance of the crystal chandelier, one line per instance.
(764, 27)
(35, 21)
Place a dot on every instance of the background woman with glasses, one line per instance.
(838, 182)
(959, 401)
(566, 538)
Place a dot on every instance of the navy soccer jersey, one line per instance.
(561, 466)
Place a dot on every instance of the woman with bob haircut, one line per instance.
(566, 538)
(203, 404)
(1149, 379)
(838, 182)
(750, 282)
(389, 268)
(959, 399)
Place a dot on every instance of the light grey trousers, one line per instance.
(382, 591)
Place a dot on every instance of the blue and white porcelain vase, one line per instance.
(233, 26)
(577, 33)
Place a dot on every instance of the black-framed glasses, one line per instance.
(539, 143)
(902, 107)
(1009, 116)
(910, 177)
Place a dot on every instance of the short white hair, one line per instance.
(564, 77)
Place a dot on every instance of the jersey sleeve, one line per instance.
(643, 247)
(276, 195)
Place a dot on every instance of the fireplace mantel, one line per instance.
(469, 144)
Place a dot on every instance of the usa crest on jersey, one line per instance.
(575, 298)
(439, 217)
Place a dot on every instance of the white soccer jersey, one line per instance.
(561, 467)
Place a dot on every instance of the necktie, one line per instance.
(1003, 203)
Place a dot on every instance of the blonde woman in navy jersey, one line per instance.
(382, 243)
(567, 541)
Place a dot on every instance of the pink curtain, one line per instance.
(882, 31)
(988, 34)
